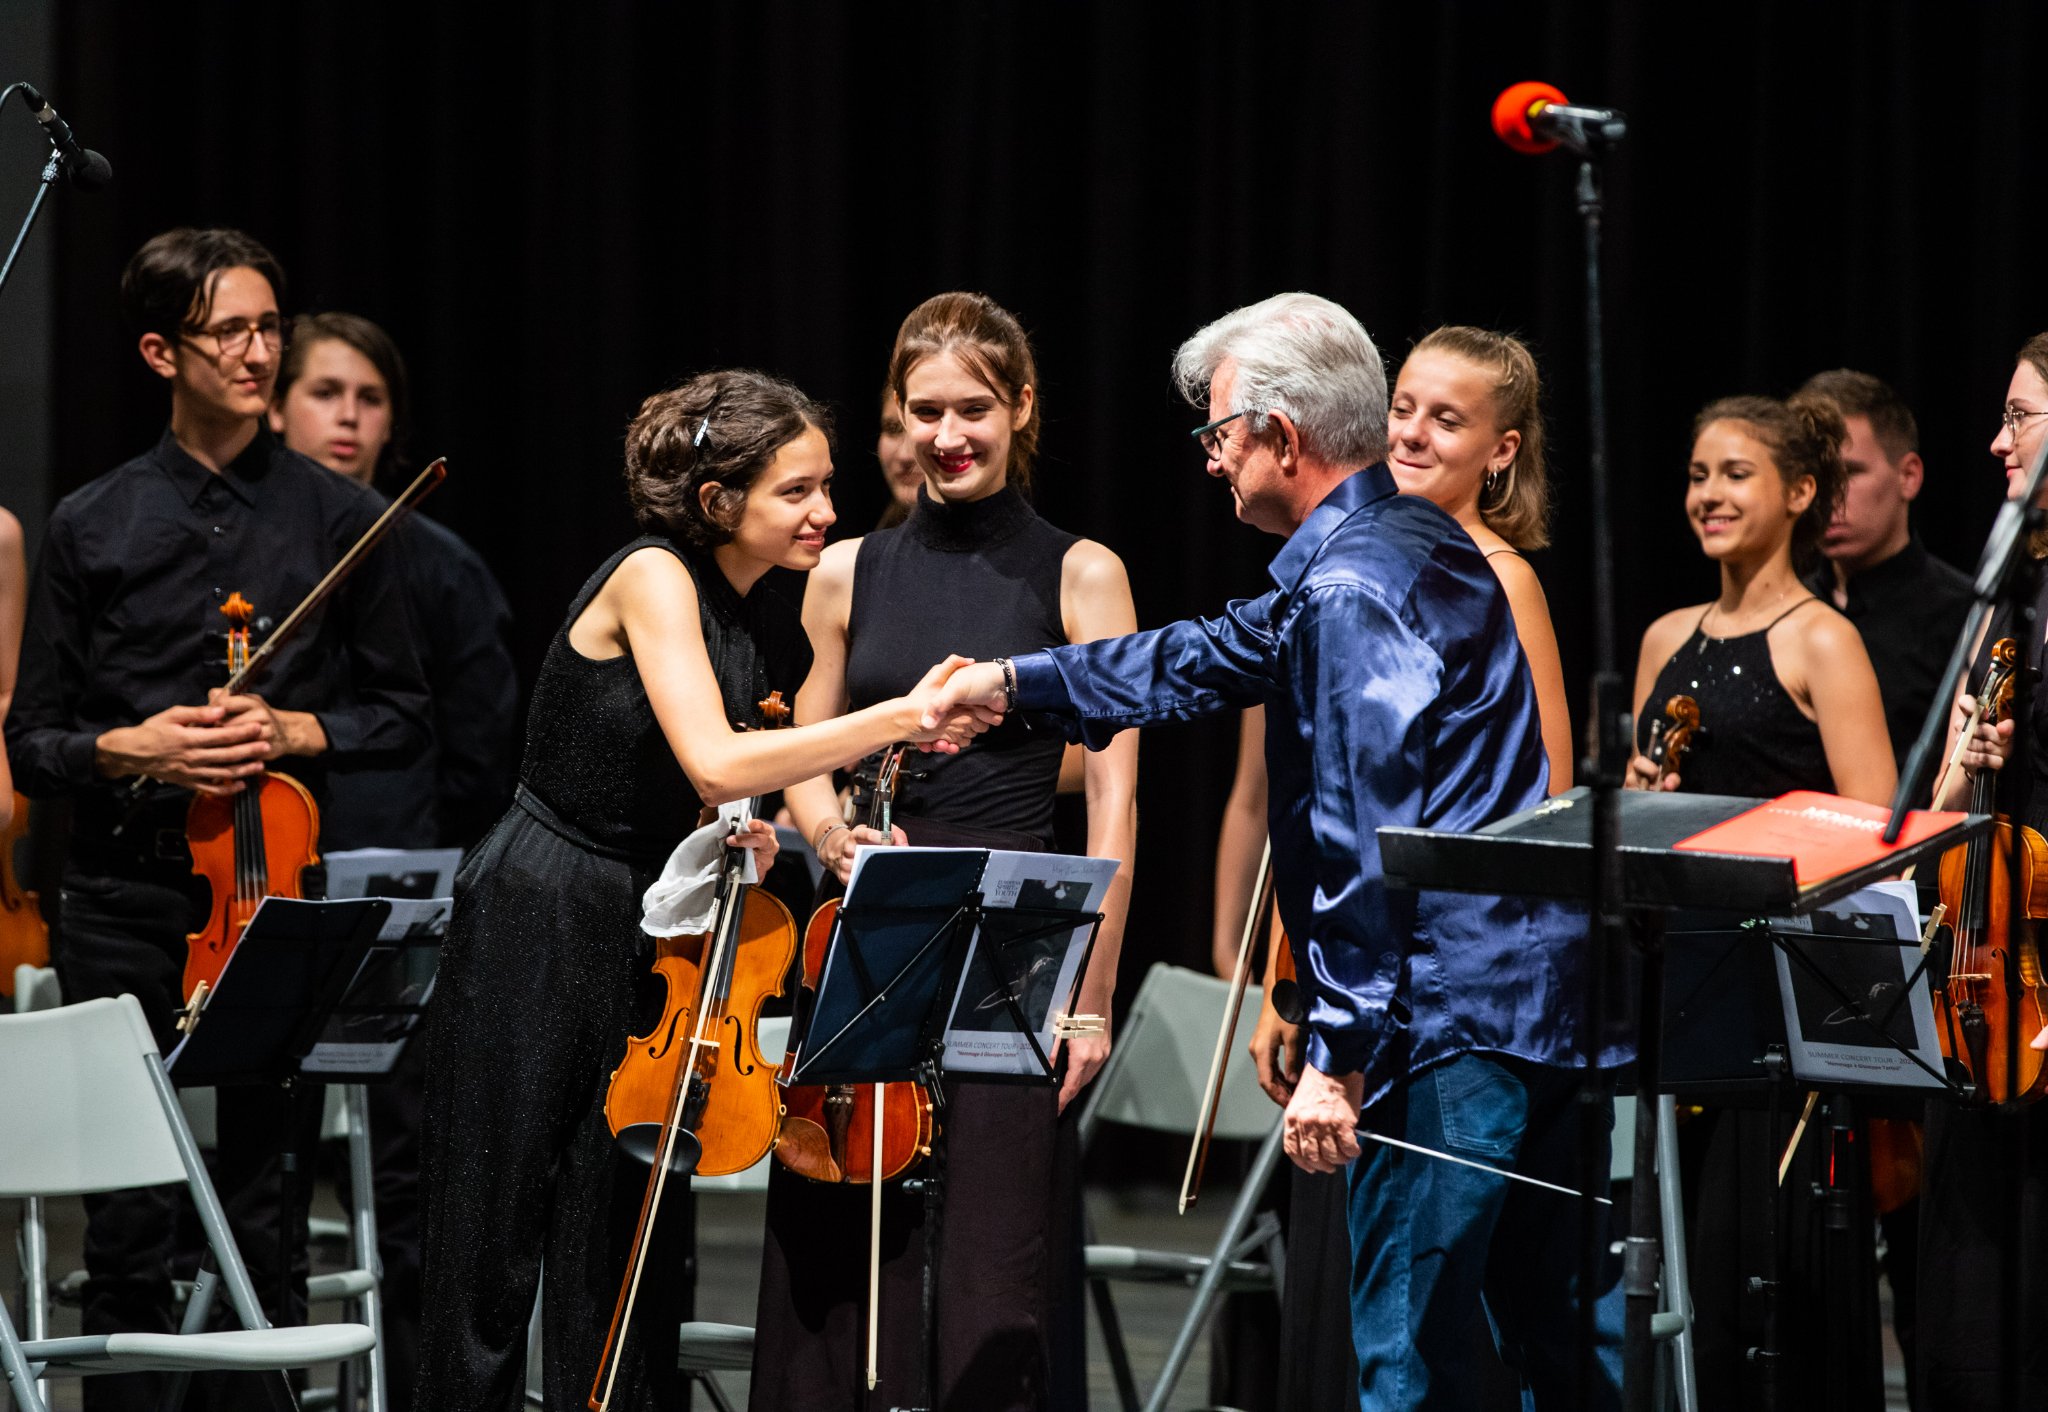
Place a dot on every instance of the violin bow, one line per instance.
(1212, 1091)
(422, 485)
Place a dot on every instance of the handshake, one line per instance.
(953, 703)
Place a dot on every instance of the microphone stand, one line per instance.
(55, 169)
(1609, 735)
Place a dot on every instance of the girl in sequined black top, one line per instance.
(630, 738)
(1786, 694)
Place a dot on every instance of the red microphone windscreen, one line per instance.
(1511, 115)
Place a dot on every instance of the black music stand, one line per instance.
(1548, 851)
(914, 921)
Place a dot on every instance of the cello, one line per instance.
(695, 1095)
(829, 1131)
(248, 846)
(1995, 966)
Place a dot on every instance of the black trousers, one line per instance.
(1983, 1209)
(126, 935)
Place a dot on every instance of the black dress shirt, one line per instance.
(1909, 609)
(455, 790)
(124, 621)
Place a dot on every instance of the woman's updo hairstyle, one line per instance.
(989, 341)
(1516, 504)
(723, 428)
(1804, 434)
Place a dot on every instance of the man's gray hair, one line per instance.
(1302, 355)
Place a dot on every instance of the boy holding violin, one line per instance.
(122, 654)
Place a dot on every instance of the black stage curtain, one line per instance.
(559, 209)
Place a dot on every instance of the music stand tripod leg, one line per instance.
(1640, 1262)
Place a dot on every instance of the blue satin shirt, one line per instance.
(1396, 693)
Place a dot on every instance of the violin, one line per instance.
(1671, 735)
(1995, 966)
(24, 936)
(829, 1131)
(695, 1095)
(248, 846)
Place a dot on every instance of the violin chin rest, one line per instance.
(805, 1149)
(642, 1142)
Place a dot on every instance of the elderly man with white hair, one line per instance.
(1396, 693)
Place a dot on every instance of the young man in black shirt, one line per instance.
(1908, 605)
(121, 664)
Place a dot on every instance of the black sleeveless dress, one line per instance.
(536, 995)
(1754, 741)
(981, 579)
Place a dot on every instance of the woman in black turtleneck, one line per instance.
(973, 570)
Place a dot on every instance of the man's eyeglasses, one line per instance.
(1211, 443)
(231, 336)
(2014, 417)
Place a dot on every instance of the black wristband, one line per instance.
(1009, 684)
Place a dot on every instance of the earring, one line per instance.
(1492, 479)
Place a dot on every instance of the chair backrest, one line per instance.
(1161, 1056)
(79, 1111)
(35, 988)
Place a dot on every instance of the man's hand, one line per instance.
(969, 686)
(194, 747)
(282, 732)
(1322, 1120)
(1276, 1052)
(943, 728)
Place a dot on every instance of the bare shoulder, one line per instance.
(10, 532)
(1518, 576)
(1092, 568)
(834, 573)
(1668, 633)
(1824, 634)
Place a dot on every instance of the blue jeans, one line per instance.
(1434, 1243)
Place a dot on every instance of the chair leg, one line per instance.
(35, 1277)
(1210, 1287)
(21, 1376)
(1113, 1341)
(363, 1231)
(1677, 1281)
(712, 1390)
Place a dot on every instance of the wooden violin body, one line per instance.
(1995, 980)
(248, 846)
(742, 1111)
(828, 1130)
(24, 936)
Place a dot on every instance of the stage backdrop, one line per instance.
(560, 209)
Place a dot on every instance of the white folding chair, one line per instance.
(357, 1289)
(92, 1110)
(35, 988)
(706, 1347)
(1154, 1079)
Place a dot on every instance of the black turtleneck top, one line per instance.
(981, 579)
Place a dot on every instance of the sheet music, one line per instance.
(980, 1034)
(1828, 1043)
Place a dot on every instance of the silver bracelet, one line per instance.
(818, 846)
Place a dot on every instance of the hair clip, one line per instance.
(703, 430)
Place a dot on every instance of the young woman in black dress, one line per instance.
(974, 570)
(1787, 701)
(630, 738)
(1978, 1159)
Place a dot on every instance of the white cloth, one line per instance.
(683, 899)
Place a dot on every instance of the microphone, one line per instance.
(88, 170)
(1534, 118)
